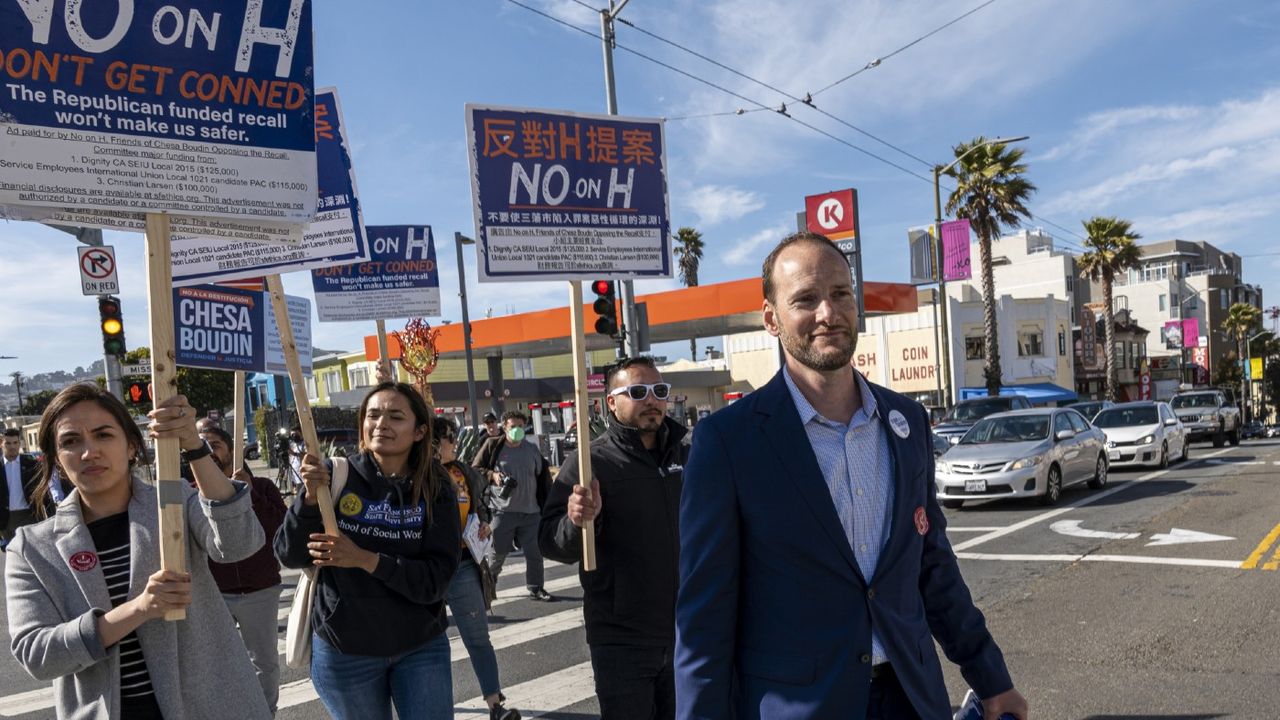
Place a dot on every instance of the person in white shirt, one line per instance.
(20, 477)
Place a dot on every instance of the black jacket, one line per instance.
(30, 470)
(487, 459)
(401, 605)
(630, 598)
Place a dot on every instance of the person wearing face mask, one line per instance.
(629, 601)
(519, 479)
(378, 617)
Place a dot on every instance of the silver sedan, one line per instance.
(1023, 453)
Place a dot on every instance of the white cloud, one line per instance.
(1143, 177)
(713, 204)
(748, 249)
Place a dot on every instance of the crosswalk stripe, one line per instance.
(540, 696)
(26, 702)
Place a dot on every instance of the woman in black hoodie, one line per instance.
(378, 617)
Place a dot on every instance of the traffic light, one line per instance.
(606, 307)
(112, 324)
(138, 393)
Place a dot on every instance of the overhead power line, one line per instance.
(782, 109)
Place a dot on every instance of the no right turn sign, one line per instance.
(98, 270)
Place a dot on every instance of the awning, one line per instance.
(1037, 393)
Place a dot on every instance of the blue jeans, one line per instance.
(466, 602)
(361, 687)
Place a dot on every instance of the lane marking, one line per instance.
(1252, 561)
(951, 528)
(1178, 536)
(1139, 559)
(1088, 500)
(1072, 528)
(1274, 562)
(547, 694)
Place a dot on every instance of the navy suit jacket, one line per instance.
(30, 469)
(774, 617)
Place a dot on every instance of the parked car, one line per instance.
(1273, 431)
(1208, 413)
(1089, 408)
(1023, 453)
(967, 412)
(1253, 430)
(1143, 433)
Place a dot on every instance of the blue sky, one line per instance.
(1165, 112)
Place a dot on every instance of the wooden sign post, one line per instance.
(170, 492)
(307, 423)
(578, 340)
(239, 423)
(384, 360)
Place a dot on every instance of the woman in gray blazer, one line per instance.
(86, 596)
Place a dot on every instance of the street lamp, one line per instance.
(938, 171)
(459, 240)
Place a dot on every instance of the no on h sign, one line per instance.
(98, 270)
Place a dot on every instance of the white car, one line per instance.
(1143, 433)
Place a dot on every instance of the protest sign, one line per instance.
(335, 236)
(400, 279)
(568, 196)
(227, 328)
(142, 107)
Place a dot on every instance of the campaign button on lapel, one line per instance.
(899, 423)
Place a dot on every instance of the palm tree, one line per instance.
(1110, 249)
(688, 252)
(991, 192)
(1242, 320)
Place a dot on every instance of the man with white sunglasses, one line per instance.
(634, 499)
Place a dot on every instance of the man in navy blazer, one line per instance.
(815, 571)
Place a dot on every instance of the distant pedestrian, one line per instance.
(491, 426)
(629, 601)
(466, 598)
(21, 473)
(85, 592)
(251, 587)
(520, 478)
(378, 618)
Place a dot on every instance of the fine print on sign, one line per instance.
(568, 196)
(400, 279)
(145, 107)
(98, 270)
(334, 236)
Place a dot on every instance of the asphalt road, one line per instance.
(1102, 627)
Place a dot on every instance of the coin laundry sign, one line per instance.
(98, 271)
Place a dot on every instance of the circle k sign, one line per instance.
(833, 214)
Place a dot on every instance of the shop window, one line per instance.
(974, 348)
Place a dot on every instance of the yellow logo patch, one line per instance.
(350, 505)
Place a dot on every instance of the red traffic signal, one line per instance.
(605, 307)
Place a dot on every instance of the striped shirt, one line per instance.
(858, 467)
(111, 538)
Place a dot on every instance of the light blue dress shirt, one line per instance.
(858, 467)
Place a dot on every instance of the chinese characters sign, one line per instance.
(568, 196)
(143, 106)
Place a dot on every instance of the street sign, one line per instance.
(98, 270)
(139, 369)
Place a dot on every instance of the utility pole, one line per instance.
(627, 325)
(459, 240)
